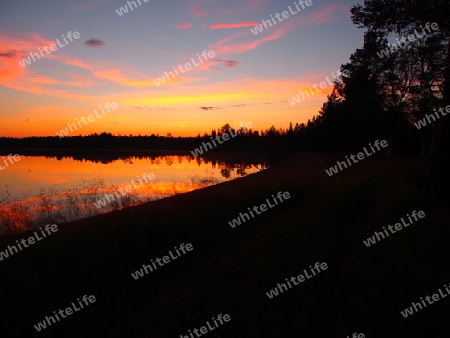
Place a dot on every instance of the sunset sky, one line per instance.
(117, 58)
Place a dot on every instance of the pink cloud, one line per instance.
(227, 46)
(323, 15)
(15, 48)
(221, 47)
(78, 81)
(12, 75)
(43, 80)
(184, 25)
(234, 25)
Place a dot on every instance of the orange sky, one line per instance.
(118, 58)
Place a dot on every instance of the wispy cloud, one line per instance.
(13, 76)
(229, 45)
(249, 104)
(16, 47)
(234, 25)
(78, 81)
(184, 25)
(222, 48)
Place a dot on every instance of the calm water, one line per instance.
(38, 190)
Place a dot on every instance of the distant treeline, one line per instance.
(312, 136)
(246, 139)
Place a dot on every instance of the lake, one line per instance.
(38, 190)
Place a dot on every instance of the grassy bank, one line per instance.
(230, 270)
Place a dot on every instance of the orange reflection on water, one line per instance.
(43, 190)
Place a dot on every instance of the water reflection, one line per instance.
(59, 189)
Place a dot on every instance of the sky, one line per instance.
(116, 59)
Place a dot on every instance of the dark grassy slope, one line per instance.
(230, 270)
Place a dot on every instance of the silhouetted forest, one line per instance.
(318, 134)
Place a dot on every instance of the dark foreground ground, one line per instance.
(230, 270)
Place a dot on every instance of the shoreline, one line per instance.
(230, 270)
